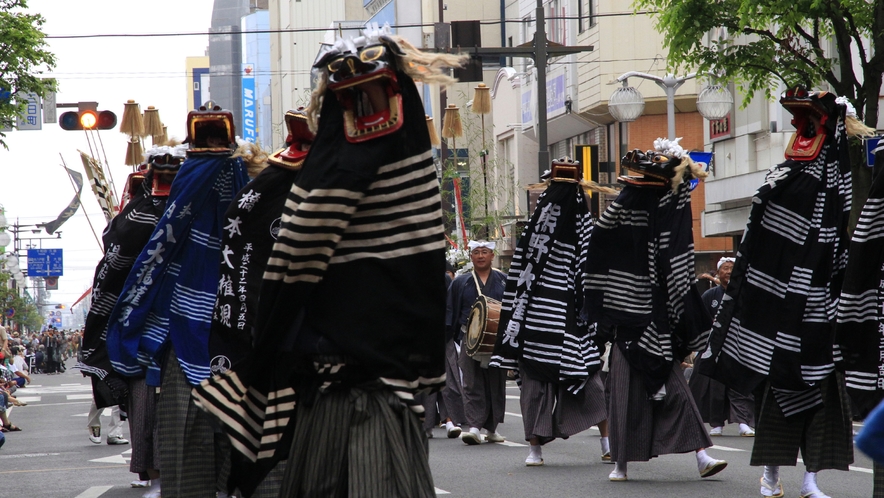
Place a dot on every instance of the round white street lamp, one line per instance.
(626, 104)
(5, 239)
(714, 102)
(2, 220)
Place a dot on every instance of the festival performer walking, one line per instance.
(350, 324)
(541, 334)
(484, 386)
(783, 296)
(640, 290)
(716, 402)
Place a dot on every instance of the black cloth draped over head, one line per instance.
(861, 308)
(123, 239)
(540, 323)
(640, 280)
(777, 319)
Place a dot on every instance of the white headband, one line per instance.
(726, 260)
(475, 244)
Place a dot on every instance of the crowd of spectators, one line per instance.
(23, 355)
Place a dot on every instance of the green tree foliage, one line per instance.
(26, 313)
(798, 42)
(23, 57)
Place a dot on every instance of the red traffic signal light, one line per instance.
(87, 120)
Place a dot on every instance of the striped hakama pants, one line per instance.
(452, 394)
(641, 428)
(187, 441)
(824, 436)
(484, 393)
(718, 404)
(143, 427)
(549, 411)
(358, 441)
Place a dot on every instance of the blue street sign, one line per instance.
(45, 263)
(871, 145)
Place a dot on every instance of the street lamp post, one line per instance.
(626, 103)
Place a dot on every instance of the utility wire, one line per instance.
(323, 29)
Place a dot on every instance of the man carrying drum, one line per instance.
(483, 388)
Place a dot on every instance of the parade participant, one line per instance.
(860, 323)
(541, 334)
(716, 402)
(774, 333)
(338, 359)
(640, 290)
(483, 388)
(124, 238)
(160, 325)
(250, 230)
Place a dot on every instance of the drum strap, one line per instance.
(478, 286)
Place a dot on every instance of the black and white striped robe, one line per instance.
(860, 332)
(123, 239)
(541, 332)
(354, 289)
(776, 322)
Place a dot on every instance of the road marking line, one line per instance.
(111, 459)
(723, 448)
(511, 414)
(71, 397)
(28, 471)
(94, 492)
(441, 492)
(28, 399)
(510, 443)
(29, 455)
(78, 385)
(69, 403)
(510, 396)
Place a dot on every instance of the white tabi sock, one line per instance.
(535, 450)
(744, 428)
(810, 488)
(772, 474)
(703, 459)
(449, 425)
(606, 447)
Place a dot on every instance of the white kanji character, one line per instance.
(226, 254)
(225, 286)
(156, 254)
(233, 227)
(248, 200)
(225, 315)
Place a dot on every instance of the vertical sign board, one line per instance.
(249, 133)
(31, 119)
(588, 155)
(45, 263)
(5, 96)
(49, 108)
(200, 86)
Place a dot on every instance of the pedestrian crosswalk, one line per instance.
(35, 393)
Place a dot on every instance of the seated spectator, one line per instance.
(39, 359)
(20, 367)
(5, 400)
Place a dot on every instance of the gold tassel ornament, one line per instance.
(482, 99)
(133, 124)
(152, 125)
(134, 154)
(435, 141)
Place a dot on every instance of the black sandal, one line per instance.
(14, 428)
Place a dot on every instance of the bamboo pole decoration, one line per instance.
(482, 106)
(435, 141)
(152, 125)
(162, 138)
(132, 124)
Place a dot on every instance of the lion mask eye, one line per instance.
(372, 53)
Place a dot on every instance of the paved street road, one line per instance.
(53, 458)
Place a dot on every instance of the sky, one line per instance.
(34, 187)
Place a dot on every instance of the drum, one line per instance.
(482, 327)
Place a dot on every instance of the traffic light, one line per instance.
(87, 120)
